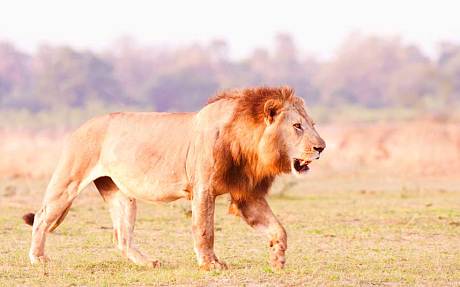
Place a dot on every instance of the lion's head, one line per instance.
(290, 140)
(270, 133)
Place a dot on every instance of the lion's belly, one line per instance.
(151, 189)
(149, 178)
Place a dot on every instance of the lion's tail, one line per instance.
(29, 218)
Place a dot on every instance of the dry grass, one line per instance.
(340, 233)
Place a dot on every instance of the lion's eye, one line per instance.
(298, 126)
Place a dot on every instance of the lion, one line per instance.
(237, 144)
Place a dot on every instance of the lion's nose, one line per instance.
(319, 149)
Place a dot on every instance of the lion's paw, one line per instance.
(214, 265)
(278, 261)
(277, 258)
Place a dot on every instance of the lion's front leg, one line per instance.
(203, 230)
(258, 214)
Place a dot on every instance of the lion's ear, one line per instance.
(271, 109)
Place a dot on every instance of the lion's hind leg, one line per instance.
(58, 199)
(123, 213)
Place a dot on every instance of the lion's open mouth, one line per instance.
(301, 166)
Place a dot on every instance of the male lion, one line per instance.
(236, 144)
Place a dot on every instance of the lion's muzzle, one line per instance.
(301, 166)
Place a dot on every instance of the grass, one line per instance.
(341, 233)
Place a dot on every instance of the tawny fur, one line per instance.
(237, 144)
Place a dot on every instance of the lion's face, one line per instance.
(301, 140)
(294, 141)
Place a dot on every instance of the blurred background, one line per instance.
(382, 80)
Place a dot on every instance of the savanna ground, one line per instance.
(347, 223)
(340, 233)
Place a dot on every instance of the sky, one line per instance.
(319, 27)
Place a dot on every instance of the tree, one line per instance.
(365, 67)
(15, 77)
(65, 77)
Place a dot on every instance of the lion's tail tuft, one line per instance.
(29, 218)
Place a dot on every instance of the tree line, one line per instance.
(368, 71)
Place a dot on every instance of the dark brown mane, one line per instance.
(250, 101)
(238, 167)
